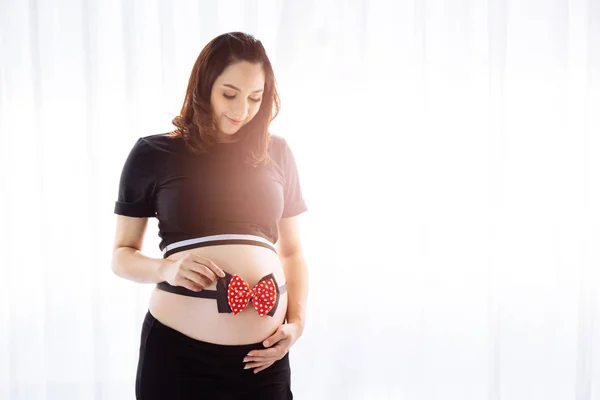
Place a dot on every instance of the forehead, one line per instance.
(244, 75)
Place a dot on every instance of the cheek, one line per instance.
(254, 110)
(217, 106)
(219, 119)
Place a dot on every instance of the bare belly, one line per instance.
(198, 317)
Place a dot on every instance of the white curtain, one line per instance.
(448, 152)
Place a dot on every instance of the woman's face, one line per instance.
(236, 96)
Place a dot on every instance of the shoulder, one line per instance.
(276, 139)
(163, 143)
(278, 147)
(153, 150)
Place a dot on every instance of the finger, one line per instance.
(270, 353)
(210, 264)
(191, 285)
(198, 279)
(203, 271)
(258, 365)
(258, 358)
(256, 371)
(279, 335)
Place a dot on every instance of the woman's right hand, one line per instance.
(192, 271)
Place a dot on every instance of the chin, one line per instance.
(229, 131)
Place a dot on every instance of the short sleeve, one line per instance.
(137, 183)
(294, 203)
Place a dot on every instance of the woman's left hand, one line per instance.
(278, 345)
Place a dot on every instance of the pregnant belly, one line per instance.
(198, 318)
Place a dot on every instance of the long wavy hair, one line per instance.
(195, 124)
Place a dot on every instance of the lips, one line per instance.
(233, 121)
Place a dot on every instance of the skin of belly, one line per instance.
(199, 319)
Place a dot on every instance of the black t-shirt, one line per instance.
(216, 193)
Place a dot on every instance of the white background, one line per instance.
(448, 152)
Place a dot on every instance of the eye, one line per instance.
(231, 97)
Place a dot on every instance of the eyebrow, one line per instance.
(239, 90)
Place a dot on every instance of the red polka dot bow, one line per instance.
(263, 295)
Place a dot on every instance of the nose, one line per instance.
(240, 111)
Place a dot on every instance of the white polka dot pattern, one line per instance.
(263, 295)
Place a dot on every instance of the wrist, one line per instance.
(299, 326)
(162, 269)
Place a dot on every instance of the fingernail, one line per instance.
(246, 366)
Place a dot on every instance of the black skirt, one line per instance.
(173, 366)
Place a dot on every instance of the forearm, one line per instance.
(296, 274)
(131, 264)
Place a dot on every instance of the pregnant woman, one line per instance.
(231, 288)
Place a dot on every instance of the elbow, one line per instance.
(115, 263)
(292, 256)
(115, 267)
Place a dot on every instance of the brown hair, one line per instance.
(195, 123)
